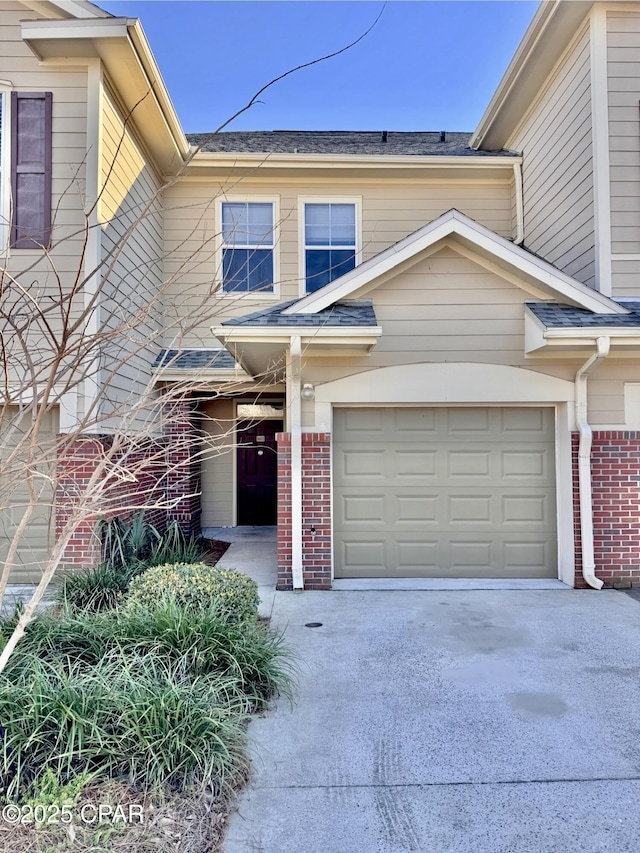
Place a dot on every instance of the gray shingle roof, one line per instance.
(339, 142)
(355, 312)
(195, 359)
(558, 316)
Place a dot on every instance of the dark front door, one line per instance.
(257, 471)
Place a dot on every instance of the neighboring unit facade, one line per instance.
(417, 354)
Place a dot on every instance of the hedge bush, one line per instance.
(196, 585)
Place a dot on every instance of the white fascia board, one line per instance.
(86, 28)
(201, 375)
(450, 224)
(590, 332)
(434, 161)
(283, 334)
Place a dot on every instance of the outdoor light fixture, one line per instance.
(307, 392)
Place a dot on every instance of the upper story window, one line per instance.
(329, 242)
(247, 247)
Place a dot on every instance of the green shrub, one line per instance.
(134, 545)
(196, 586)
(100, 588)
(130, 716)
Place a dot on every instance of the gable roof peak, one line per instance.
(471, 234)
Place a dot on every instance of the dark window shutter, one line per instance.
(31, 169)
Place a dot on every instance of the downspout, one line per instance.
(517, 177)
(584, 463)
(295, 428)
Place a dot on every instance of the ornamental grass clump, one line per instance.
(197, 586)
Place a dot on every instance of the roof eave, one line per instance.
(123, 48)
(205, 159)
(542, 45)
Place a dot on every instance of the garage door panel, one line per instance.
(525, 465)
(469, 463)
(412, 509)
(415, 463)
(363, 463)
(365, 556)
(466, 492)
(525, 509)
(358, 508)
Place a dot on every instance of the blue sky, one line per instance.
(425, 65)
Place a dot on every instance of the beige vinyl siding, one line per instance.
(626, 277)
(555, 140)
(606, 392)
(390, 211)
(131, 220)
(218, 464)
(446, 307)
(623, 75)
(69, 88)
(34, 546)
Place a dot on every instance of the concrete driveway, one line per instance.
(499, 721)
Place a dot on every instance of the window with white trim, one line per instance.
(247, 247)
(329, 242)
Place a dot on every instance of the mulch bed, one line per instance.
(215, 549)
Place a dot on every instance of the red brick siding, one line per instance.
(615, 477)
(316, 510)
(164, 480)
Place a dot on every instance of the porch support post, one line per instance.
(294, 406)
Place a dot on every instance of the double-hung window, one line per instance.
(329, 242)
(247, 247)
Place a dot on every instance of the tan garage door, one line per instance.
(444, 492)
(36, 542)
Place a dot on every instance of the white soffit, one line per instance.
(501, 252)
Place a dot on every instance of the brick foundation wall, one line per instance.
(77, 462)
(615, 476)
(316, 510)
(164, 480)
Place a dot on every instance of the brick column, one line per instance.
(77, 461)
(285, 577)
(316, 510)
(183, 466)
(615, 477)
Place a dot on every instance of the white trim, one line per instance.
(600, 137)
(564, 494)
(205, 159)
(93, 256)
(519, 199)
(467, 230)
(584, 463)
(294, 410)
(303, 200)
(247, 295)
(5, 169)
